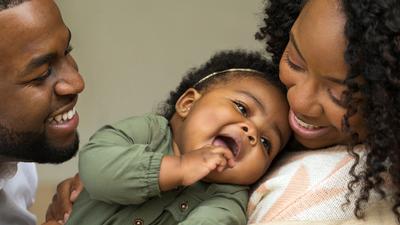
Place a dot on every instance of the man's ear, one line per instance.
(186, 101)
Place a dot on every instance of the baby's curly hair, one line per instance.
(221, 61)
(373, 52)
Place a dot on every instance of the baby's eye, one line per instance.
(242, 108)
(267, 145)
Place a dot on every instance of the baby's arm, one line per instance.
(193, 166)
(226, 209)
(120, 165)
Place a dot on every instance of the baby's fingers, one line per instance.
(222, 164)
(228, 155)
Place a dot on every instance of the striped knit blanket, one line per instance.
(308, 186)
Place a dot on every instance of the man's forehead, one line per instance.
(28, 27)
(28, 9)
(28, 16)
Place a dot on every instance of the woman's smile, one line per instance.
(306, 130)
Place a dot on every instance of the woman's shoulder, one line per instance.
(303, 185)
(377, 213)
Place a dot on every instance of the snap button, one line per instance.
(184, 206)
(138, 221)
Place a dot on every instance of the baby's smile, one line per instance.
(229, 142)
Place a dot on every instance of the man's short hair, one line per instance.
(5, 4)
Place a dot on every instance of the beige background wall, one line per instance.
(131, 53)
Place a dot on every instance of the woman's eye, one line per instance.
(335, 99)
(291, 64)
(44, 76)
(241, 108)
(267, 145)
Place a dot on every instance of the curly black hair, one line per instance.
(5, 4)
(221, 61)
(372, 30)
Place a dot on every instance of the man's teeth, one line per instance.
(64, 116)
(304, 124)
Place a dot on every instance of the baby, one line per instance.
(218, 133)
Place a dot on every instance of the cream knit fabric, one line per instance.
(305, 185)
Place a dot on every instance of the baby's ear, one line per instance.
(186, 101)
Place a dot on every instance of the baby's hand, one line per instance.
(197, 164)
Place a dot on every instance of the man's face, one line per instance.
(39, 85)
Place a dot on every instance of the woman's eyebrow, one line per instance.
(334, 80)
(293, 40)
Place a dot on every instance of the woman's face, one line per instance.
(313, 69)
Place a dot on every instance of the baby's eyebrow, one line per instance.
(258, 103)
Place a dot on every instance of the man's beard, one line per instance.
(33, 147)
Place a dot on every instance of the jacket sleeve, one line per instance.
(121, 163)
(226, 209)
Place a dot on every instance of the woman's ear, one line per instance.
(186, 101)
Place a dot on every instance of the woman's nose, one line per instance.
(304, 99)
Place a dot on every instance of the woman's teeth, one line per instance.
(60, 118)
(305, 125)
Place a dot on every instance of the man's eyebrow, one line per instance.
(44, 59)
(39, 61)
(69, 38)
(293, 40)
(258, 103)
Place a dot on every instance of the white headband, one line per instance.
(227, 71)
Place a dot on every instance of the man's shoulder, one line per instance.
(7, 171)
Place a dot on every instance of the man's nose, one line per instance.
(69, 80)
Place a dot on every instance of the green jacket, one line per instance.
(120, 170)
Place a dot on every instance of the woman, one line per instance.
(339, 60)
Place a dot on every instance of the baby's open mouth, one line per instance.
(227, 142)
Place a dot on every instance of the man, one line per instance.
(39, 87)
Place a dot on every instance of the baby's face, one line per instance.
(248, 116)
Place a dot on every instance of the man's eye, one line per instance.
(241, 108)
(68, 50)
(267, 145)
(44, 76)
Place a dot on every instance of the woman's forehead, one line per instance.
(319, 34)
